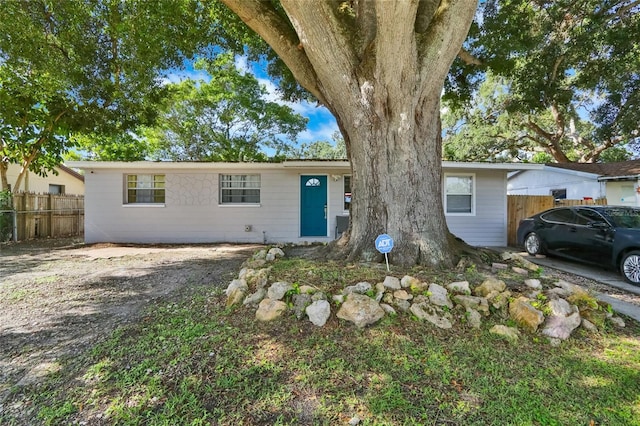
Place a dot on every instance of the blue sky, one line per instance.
(321, 125)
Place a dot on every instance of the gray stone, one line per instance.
(260, 255)
(319, 312)
(561, 307)
(557, 292)
(240, 284)
(472, 302)
(300, 303)
(533, 283)
(560, 326)
(421, 298)
(522, 312)
(617, 322)
(489, 285)
(354, 421)
(255, 298)
(439, 296)
(380, 292)
(270, 257)
(257, 278)
(499, 266)
(461, 287)
(408, 281)
(505, 255)
(278, 290)
(275, 251)
(236, 292)
(510, 333)
(360, 310)
(318, 296)
(589, 326)
(403, 305)
(388, 309)
(360, 288)
(499, 300)
(402, 295)
(269, 310)
(432, 314)
(474, 319)
(529, 265)
(520, 271)
(392, 282)
(576, 291)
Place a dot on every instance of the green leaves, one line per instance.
(224, 119)
(571, 70)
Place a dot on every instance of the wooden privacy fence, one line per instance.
(522, 206)
(47, 215)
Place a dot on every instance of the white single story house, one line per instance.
(66, 181)
(617, 182)
(286, 202)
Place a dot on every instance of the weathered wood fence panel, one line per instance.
(48, 215)
(522, 206)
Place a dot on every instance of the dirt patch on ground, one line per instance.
(60, 297)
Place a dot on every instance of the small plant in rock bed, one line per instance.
(288, 296)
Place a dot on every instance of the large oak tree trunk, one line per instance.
(396, 183)
(379, 66)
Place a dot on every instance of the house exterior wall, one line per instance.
(541, 182)
(488, 226)
(623, 193)
(192, 214)
(35, 183)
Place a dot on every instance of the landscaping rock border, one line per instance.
(554, 312)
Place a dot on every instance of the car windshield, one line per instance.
(624, 217)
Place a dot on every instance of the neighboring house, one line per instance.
(67, 181)
(287, 202)
(617, 182)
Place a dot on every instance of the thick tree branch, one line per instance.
(438, 47)
(262, 18)
(395, 44)
(468, 58)
(366, 23)
(424, 16)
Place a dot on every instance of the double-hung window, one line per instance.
(459, 194)
(145, 189)
(239, 189)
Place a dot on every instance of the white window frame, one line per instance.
(130, 203)
(344, 181)
(472, 176)
(221, 189)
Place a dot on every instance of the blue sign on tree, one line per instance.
(384, 243)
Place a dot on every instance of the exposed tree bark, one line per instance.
(3, 176)
(380, 69)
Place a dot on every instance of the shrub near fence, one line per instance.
(6, 216)
(48, 215)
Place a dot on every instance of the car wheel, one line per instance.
(630, 267)
(533, 244)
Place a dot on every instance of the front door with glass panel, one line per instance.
(313, 206)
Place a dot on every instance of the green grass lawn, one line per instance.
(194, 362)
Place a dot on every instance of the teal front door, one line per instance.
(313, 206)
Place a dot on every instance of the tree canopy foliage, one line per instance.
(561, 76)
(75, 67)
(224, 119)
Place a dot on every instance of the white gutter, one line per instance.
(628, 177)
